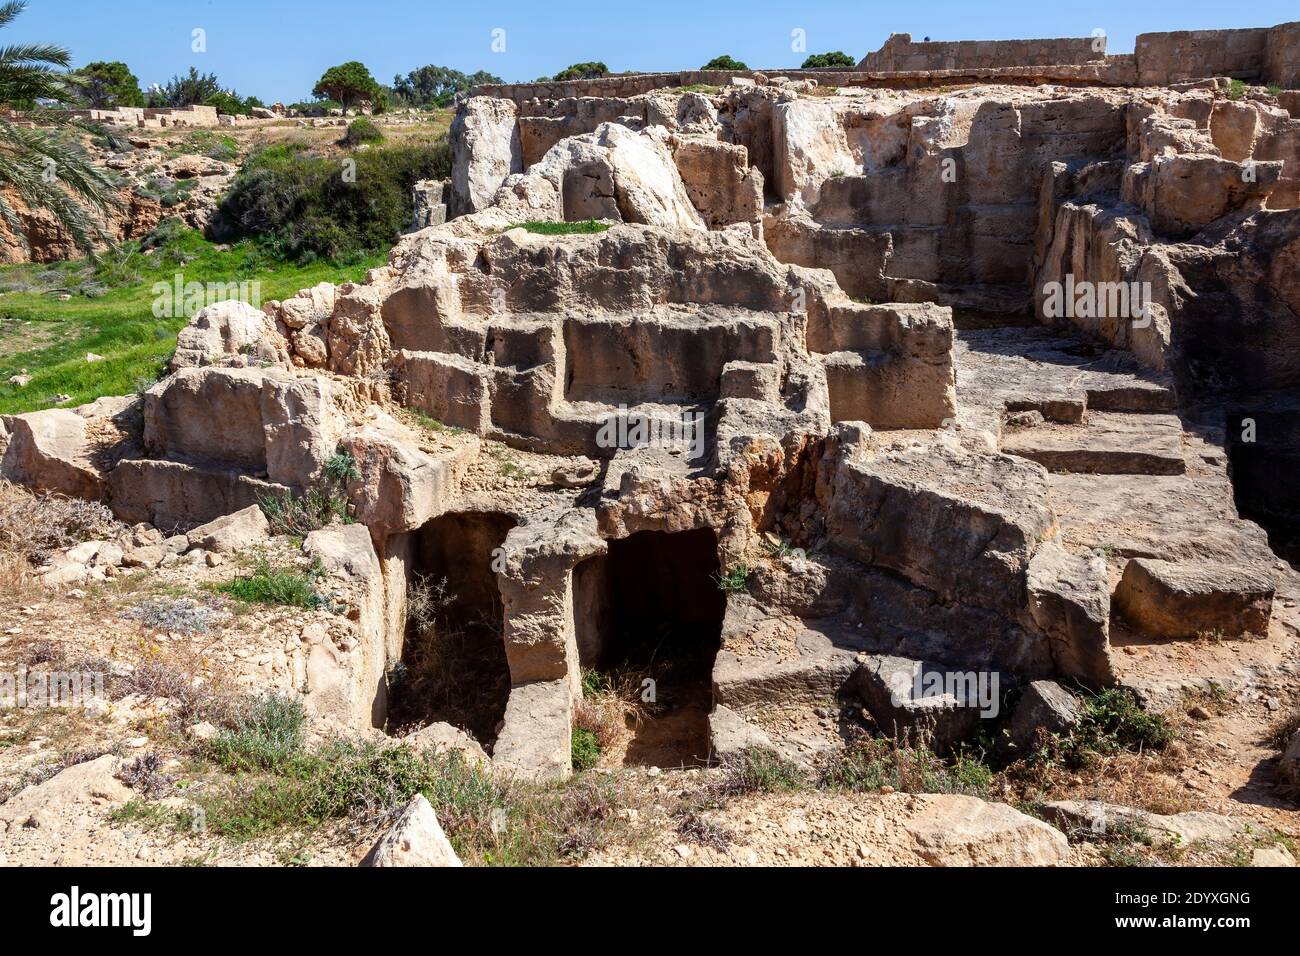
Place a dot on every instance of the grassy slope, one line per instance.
(50, 338)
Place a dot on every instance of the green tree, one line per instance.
(437, 85)
(230, 103)
(190, 90)
(104, 85)
(582, 71)
(836, 59)
(724, 62)
(348, 83)
(43, 167)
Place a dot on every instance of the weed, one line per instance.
(144, 775)
(586, 749)
(735, 578)
(175, 615)
(1236, 89)
(265, 734)
(275, 585)
(302, 514)
(756, 770)
(342, 468)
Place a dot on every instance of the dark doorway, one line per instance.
(454, 665)
(651, 611)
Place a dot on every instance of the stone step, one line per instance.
(1109, 443)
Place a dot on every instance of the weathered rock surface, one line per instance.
(954, 830)
(1186, 600)
(414, 839)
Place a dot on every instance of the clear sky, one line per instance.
(277, 49)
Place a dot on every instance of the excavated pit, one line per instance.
(652, 610)
(453, 665)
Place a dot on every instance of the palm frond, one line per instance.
(10, 11)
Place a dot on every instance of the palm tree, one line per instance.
(43, 165)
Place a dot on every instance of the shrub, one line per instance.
(271, 585)
(301, 515)
(724, 62)
(873, 762)
(174, 615)
(836, 60)
(362, 130)
(35, 526)
(756, 770)
(302, 206)
(265, 734)
(582, 71)
(1236, 89)
(586, 748)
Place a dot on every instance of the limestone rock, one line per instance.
(1184, 599)
(79, 787)
(414, 839)
(443, 737)
(896, 690)
(1069, 600)
(956, 830)
(233, 532)
(50, 451)
(1047, 706)
(229, 332)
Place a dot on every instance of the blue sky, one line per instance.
(276, 49)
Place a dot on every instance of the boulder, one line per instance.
(1096, 817)
(1046, 705)
(415, 839)
(957, 830)
(233, 532)
(345, 672)
(443, 737)
(1176, 599)
(898, 693)
(230, 332)
(50, 451)
(1288, 767)
(1069, 601)
(485, 150)
(80, 787)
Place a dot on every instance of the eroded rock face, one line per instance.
(852, 385)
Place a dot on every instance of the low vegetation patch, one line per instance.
(269, 584)
(363, 131)
(757, 770)
(51, 316)
(301, 206)
(585, 227)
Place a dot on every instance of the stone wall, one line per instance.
(1192, 54)
(1270, 55)
(901, 54)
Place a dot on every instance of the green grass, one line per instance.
(272, 585)
(1236, 89)
(586, 749)
(432, 424)
(586, 227)
(110, 313)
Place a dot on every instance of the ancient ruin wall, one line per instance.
(901, 54)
